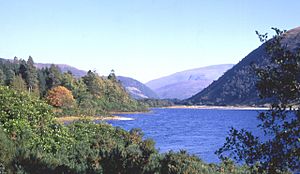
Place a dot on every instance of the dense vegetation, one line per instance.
(89, 95)
(238, 85)
(280, 152)
(33, 142)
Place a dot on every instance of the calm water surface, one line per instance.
(199, 131)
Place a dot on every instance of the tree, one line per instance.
(10, 75)
(60, 97)
(23, 68)
(94, 83)
(16, 60)
(31, 76)
(279, 81)
(112, 76)
(15, 65)
(85, 101)
(18, 84)
(2, 77)
(68, 81)
(42, 76)
(53, 76)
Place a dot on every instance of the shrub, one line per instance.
(7, 151)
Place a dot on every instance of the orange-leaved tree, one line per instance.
(60, 96)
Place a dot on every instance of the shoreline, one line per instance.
(217, 107)
(93, 118)
(135, 112)
(122, 118)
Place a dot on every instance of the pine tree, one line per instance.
(42, 82)
(19, 84)
(53, 76)
(94, 83)
(31, 77)
(22, 69)
(10, 75)
(2, 77)
(112, 76)
(15, 65)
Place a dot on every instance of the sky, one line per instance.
(142, 39)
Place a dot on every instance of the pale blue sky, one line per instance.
(143, 39)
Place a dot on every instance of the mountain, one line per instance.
(64, 68)
(182, 85)
(237, 85)
(136, 89)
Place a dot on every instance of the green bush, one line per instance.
(182, 163)
(7, 151)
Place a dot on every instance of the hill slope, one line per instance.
(136, 89)
(182, 85)
(237, 86)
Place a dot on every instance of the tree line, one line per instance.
(89, 95)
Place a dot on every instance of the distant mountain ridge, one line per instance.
(184, 84)
(137, 89)
(237, 85)
(64, 68)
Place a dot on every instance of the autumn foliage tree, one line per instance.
(60, 97)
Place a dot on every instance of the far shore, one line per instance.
(94, 118)
(218, 107)
(135, 112)
(114, 117)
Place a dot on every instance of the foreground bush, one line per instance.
(7, 152)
